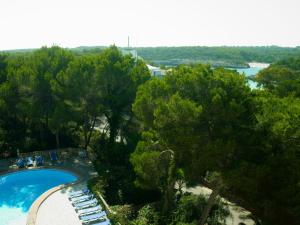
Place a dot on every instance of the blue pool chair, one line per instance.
(53, 156)
(20, 162)
(39, 160)
(105, 222)
(83, 191)
(88, 211)
(86, 204)
(82, 198)
(93, 217)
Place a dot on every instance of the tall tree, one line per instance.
(80, 89)
(118, 77)
(206, 132)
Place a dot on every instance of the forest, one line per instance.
(198, 125)
(216, 56)
(223, 56)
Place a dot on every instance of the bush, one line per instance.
(123, 214)
(190, 207)
(96, 184)
(146, 216)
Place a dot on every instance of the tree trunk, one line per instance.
(113, 129)
(57, 138)
(88, 134)
(211, 201)
(169, 195)
(85, 129)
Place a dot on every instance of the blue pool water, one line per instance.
(20, 189)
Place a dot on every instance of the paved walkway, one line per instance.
(238, 214)
(58, 210)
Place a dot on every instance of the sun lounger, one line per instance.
(79, 193)
(93, 217)
(39, 160)
(82, 198)
(105, 222)
(88, 211)
(29, 161)
(53, 156)
(20, 163)
(86, 204)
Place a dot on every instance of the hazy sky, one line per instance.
(70, 23)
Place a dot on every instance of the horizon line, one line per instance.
(158, 46)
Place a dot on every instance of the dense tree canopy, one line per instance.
(217, 56)
(282, 78)
(243, 143)
(197, 125)
(50, 93)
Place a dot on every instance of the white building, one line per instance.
(155, 71)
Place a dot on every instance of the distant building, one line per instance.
(156, 71)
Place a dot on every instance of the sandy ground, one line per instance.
(238, 214)
(58, 210)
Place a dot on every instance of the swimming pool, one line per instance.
(19, 190)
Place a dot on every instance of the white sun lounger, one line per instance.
(79, 193)
(88, 211)
(93, 217)
(86, 204)
(105, 222)
(82, 198)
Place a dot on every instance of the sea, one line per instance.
(252, 71)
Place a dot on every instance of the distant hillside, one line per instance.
(224, 56)
(216, 56)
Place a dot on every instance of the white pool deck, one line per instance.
(58, 210)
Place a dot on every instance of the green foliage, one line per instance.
(217, 56)
(195, 111)
(195, 125)
(124, 214)
(190, 208)
(146, 216)
(282, 78)
(96, 184)
(52, 98)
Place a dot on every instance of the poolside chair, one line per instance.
(53, 156)
(82, 154)
(29, 161)
(39, 160)
(79, 193)
(20, 162)
(88, 211)
(93, 217)
(86, 204)
(82, 198)
(105, 222)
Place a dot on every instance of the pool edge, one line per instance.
(33, 210)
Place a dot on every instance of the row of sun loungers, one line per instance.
(30, 161)
(88, 208)
(37, 160)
